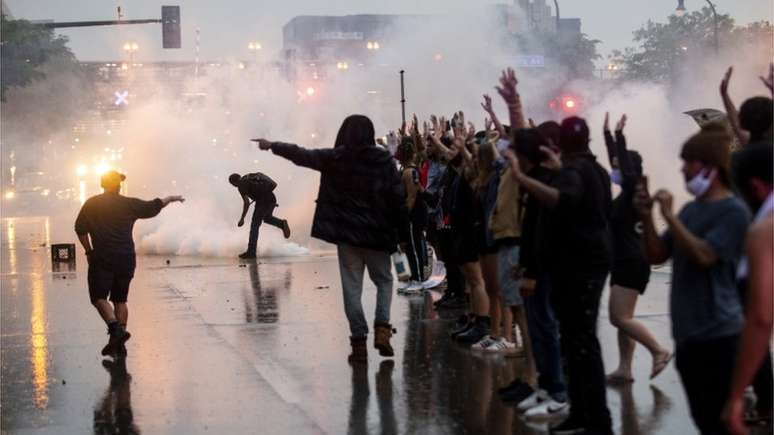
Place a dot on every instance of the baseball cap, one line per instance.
(112, 178)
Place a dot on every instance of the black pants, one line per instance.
(705, 369)
(417, 247)
(576, 305)
(455, 280)
(262, 212)
(763, 384)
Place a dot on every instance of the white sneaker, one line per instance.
(549, 409)
(533, 400)
(502, 346)
(484, 343)
(414, 287)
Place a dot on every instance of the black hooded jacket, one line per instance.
(361, 201)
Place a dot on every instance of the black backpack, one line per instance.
(258, 184)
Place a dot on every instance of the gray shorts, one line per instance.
(507, 260)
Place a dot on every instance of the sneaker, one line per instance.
(452, 303)
(478, 331)
(533, 400)
(517, 394)
(502, 346)
(285, 229)
(549, 409)
(116, 343)
(464, 323)
(513, 385)
(414, 288)
(484, 343)
(569, 426)
(247, 255)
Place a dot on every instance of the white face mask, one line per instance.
(699, 184)
(616, 177)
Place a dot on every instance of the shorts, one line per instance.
(107, 279)
(458, 248)
(632, 274)
(510, 287)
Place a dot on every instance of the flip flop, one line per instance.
(660, 365)
(619, 380)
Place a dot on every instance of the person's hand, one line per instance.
(725, 82)
(606, 124)
(621, 124)
(531, 123)
(527, 287)
(664, 199)
(171, 199)
(487, 124)
(89, 256)
(414, 123)
(769, 81)
(553, 161)
(263, 144)
(471, 131)
(513, 162)
(487, 104)
(733, 416)
(507, 88)
(642, 201)
(241, 222)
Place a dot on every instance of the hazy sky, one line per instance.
(228, 25)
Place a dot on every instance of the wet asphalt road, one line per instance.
(220, 347)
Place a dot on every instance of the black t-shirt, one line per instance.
(626, 228)
(109, 219)
(580, 243)
(258, 187)
(534, 226)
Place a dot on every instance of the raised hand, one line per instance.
(726, 81)
(621, 123)
(487, 124)
(642, 200)
(487, 104)
(553, 161)
(665, 200)
(606, 124)
(507, 88)
(769, 81)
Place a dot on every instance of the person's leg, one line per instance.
(105, 310)
(380, 272)
(763, 384)
(577, 302)
(619, 309)
(121, 310)
(544, 337)
(491, 284)
(520, 318)
(351, 267)
(475, 283)
(99, 282)
(412, 253)
(255, 225)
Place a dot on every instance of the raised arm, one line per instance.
(625, 164)
(609, 142)
(699, 250)
(487, 106)
(731, 113)
(507, 90)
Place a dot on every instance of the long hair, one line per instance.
(355, 131)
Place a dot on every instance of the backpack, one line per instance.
(258, 184)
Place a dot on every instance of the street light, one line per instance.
(372, 45)
(680, 11)
(131, 48)
(255, 47)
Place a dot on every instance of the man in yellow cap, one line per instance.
(104, 227)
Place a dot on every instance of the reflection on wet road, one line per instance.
(229, 348)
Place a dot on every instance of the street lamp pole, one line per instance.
(556, 6)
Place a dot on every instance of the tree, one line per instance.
(26, 47)
(663, 48)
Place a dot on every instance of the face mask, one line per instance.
(616, 177)
(699, 184)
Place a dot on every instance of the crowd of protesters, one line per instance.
(523, 219)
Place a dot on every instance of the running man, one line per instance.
(257, 188)
(104, 227)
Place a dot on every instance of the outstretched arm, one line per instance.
(312, 159)
(487, 106)
(609, 142)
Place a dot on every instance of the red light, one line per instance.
(570, 104)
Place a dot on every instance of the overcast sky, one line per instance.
(228, 25)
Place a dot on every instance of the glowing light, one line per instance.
(570, 104)
(310, 91)
(82, 170)
(241, 65)
(342, 65)
(39, 343)
(109, 132)
(438, 57)
(370, 45)
(101, 168)
(10, 194)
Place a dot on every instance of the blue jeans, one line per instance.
(352, 262)
(544, 334)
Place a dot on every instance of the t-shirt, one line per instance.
(258, 187)
(580, 242)
(109, 219)
(704, 301)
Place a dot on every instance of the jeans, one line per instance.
(576, 304)
(705, 368)
(544, 335)
(261, 213)
(352, 262)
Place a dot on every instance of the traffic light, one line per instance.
(170, 26)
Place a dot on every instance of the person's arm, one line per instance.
(312, 159)
(656, 249)
(759, 321)
(148, 209)
(487, 106)
(625, 164)
(411, 186)
(547, 195)
(82, 231)
(700, 251)
(768, 81)
(609, 142)
(731, 113)
(245, 208)
(507, 90)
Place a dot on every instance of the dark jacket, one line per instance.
(361, 201)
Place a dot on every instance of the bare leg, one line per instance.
(520, 318)
(622, 304)
(475, 280)
(122, 313)
(489, 271)
(105, 310)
